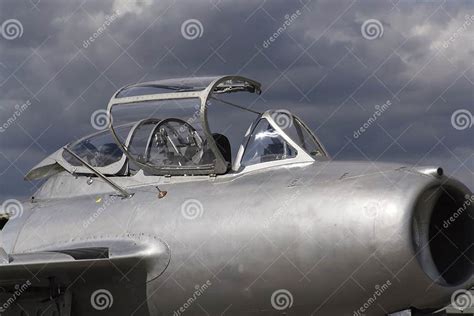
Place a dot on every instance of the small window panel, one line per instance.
(266, 145)
(299, 134)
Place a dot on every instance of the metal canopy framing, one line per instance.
(186, 88)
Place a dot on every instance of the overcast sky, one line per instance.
(331, 62)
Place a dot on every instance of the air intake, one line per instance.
(443, 234)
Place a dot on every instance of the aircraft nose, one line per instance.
(443, 234)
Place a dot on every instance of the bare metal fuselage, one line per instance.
(330, 233)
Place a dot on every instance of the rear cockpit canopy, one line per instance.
(162, 128)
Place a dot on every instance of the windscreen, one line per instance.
(298, 132)
(266, 145)
(166, 135)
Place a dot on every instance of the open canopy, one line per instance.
(162, 128)
(179, 142)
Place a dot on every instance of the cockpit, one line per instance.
(163, 128)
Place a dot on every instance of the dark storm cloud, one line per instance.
(320, 67)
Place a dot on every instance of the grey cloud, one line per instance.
(72, 81)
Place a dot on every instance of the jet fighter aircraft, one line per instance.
(165, 213)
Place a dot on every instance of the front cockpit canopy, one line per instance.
(167, 136)
(174, 115)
